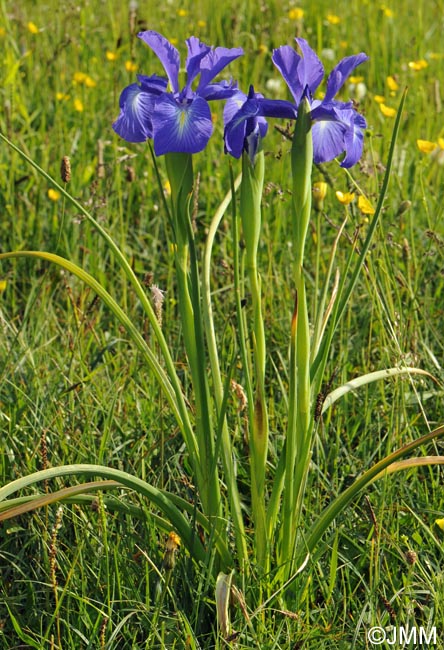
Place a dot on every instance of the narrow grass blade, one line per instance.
(375, 472)
(348, 284)
(173, 392)
(159, 498)
(356, 383)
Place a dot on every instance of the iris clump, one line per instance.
(336, 125)
(177, 120)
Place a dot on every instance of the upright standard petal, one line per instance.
(181, 128)
(167, 53)
(214, 62)
(287, 61)
(136, 107)
(196, 52)
(310, 70)
(339, 74)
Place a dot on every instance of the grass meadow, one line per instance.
(86, 572)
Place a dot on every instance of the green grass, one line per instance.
(73, 389)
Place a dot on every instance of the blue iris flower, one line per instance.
(337, 126)
(245, 123)
(178, 120)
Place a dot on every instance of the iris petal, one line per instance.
(328, 140)
(214, 62)
(153, 84)
(287, 61)
(354, 141)
(233, 105)
(237, 113)
(278, 108)
(196, 52)
(167, 53)
(134, 122)
(182, 128)
(310, 70)
(339, 74)
(219, 90)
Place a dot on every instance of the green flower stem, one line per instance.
(298, 439)
(180, 173)
(250, 209)
(220, 397)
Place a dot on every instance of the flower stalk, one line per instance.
(180, 174)
(250, 209)
(298, 439)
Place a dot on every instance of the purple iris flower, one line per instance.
(179, 120)
(245, 123)
(337, 126)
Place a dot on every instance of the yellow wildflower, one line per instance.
(61, 97)
(171, 548)
(201, 23)
(392, 83)
(111, 56)
(333, 19)
(425, 146)
(79, 77)
(32, 27)
(130, 66)
(296, 14)
(365, 206)
(167, 188)
(388, 13)
(441, 143)
(379, 99)
(3, 284)
(345, 197)
(182, 13)
(54, 195)
(262, 49)
(174, 40)
(89, 82)
(416, 66)
(319, 192)
(387, 111)
(355, 79)
(440, 523)
(78, 105)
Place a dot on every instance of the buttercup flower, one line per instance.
(365, 206)
(178, 121)
(345, 197)
(387, 111)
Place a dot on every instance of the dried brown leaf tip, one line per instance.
(65, 169)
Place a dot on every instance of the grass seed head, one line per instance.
(65, 169)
